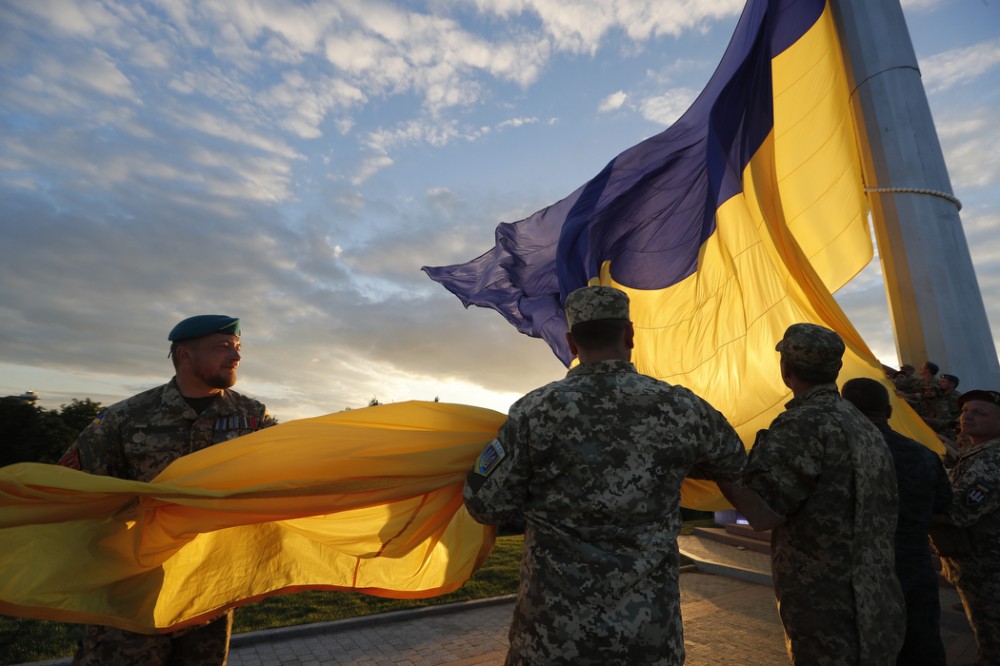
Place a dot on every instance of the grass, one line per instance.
(24, 640)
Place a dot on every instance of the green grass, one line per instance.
(24, 640)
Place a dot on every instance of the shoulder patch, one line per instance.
(977, 494)
(490, 458)
(71, 459)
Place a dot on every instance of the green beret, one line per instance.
(593, 303)
(812, 348)
(202, 325)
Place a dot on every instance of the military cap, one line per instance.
(811, 347)
(984, 396)
(951, 378)
(593, 303)
(202, 325)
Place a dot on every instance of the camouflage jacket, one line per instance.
(138, 437)
(942, 413)
(826, 471)
(594, 463)
(975, 481)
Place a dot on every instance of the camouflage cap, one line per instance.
(202, 325)
(593, 303)
(812, 348)
(984, 396)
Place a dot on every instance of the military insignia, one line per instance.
(71, 459)
(139, 437)
(490, 458)
(977, 494)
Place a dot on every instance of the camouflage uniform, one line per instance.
(136, 439)
(594, 464)
(824, 469)
(976, 507)
(943, 413)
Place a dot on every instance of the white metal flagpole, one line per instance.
(934, 299)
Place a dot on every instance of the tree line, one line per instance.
(29, 433)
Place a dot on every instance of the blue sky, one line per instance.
(294, 164)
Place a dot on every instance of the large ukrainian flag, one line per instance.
(737, 221)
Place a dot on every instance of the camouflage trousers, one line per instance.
(204, 645)
(980, 594)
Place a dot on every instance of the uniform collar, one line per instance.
(600, 367)
(819, 391)
(173, 401)
(979, 448)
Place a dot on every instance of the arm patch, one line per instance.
(977, 494)
(489, 459)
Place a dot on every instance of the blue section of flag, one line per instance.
(651, 208)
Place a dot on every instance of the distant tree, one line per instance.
(79, 414)
(31, 434)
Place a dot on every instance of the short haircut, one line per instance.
(868, 395)
(599, 333)
(813, 377)
(173, 349)
(933, 367)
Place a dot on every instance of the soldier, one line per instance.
(822, 478)
(944, 417)
(137, 438)
(975, 480)
(924, 491)
(904, 380)
(594, 464)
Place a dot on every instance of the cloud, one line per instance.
(959, 66)
(580, 26)
(666, 108)
(970, 140)
(612, 102)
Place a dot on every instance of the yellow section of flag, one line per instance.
(368, 500)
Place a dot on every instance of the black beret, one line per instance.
(202, 325)
(985, 396)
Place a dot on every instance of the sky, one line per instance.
(294, 164)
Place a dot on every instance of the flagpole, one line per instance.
(934, 299)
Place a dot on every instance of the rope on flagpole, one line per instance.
(917, 190)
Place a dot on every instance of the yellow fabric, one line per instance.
(368, 500)
(797, 232)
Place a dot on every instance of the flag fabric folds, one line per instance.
(737, 221)
(368, 500)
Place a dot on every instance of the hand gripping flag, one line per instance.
(737, 221)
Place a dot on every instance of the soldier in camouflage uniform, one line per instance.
(975, 480)
(594, 463)
(943, 415)
(822, 478)
(137, 438)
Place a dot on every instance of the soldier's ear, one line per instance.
(571, 343)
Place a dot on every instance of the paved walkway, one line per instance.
(727, 606)
(725, 620)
